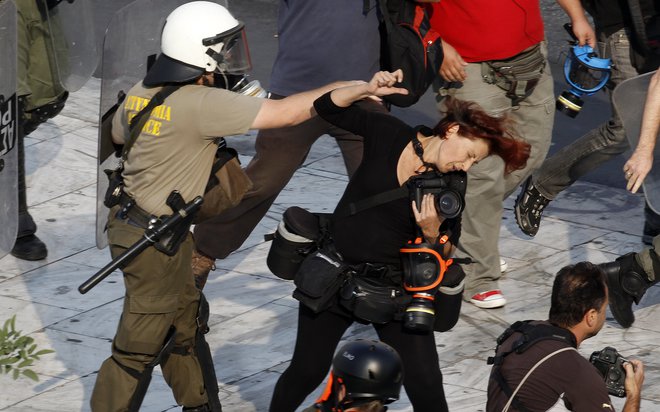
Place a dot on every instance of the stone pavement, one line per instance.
(253, 320)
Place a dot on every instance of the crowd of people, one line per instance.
(396, 252)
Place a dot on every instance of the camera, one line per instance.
(609, 363)
(584, 72)
(448, 190)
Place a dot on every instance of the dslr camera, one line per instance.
(448, 190)
(609, 363)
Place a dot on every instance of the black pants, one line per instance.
(316, 342)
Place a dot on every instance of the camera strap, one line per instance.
(393, 194)
(513, 395)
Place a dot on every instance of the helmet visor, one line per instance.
(234, 54)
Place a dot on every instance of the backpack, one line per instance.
(530, 335)
(410, 44)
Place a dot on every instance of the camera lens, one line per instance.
(569, 104)
(449, 204)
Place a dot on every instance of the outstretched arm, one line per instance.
(640, 163)
(382, 84)
(293, 109)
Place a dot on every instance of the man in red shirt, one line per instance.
(495, 55)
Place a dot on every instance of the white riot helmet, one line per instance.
(199, 37)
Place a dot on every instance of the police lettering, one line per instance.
(152, 127)
(7, 125)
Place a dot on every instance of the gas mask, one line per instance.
(585, 73)
(239, 83)
(424, 268)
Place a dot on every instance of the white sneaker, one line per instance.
(488, 300)
(503, 265)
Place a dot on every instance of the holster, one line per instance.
(115, 187)
(168, 243)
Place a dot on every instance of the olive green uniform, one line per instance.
(174, 151)
(40, 93)
(38, 43)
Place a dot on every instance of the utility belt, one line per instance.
(518, 75)
(303, 250)
(372, 294)
(366, 290)
(134, 215)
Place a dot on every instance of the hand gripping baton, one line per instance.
(151, 236)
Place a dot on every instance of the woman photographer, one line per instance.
(393, 153)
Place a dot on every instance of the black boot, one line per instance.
(28, 246)
(626, 282)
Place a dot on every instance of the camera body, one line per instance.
(448, 190)
(609, 363)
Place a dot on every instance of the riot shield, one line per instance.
(628, 99)
(131, 43)
(72, 39)
(8, 128)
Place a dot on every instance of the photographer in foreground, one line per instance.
(366, 375)
(370, 238)
(538, 363)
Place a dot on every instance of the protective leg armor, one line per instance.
(144, 377)
(627, 283)
(204, 357)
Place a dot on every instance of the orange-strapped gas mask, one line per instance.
(423, 270)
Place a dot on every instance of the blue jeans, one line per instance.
(487, 185)
(600, 144)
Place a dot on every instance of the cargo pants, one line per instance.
(160, 293)
(487, 186)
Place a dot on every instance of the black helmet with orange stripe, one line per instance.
(369, 370)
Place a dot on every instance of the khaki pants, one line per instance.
(487, 185)
(160, 292)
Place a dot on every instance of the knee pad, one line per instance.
(203, 353)
(144, 378)
(634, 284)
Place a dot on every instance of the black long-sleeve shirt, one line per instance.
(375, 234)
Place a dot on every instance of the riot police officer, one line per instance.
(41, 96)
(168, 155)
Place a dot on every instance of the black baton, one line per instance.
(151, 236)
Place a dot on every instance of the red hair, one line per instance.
(474, 123)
